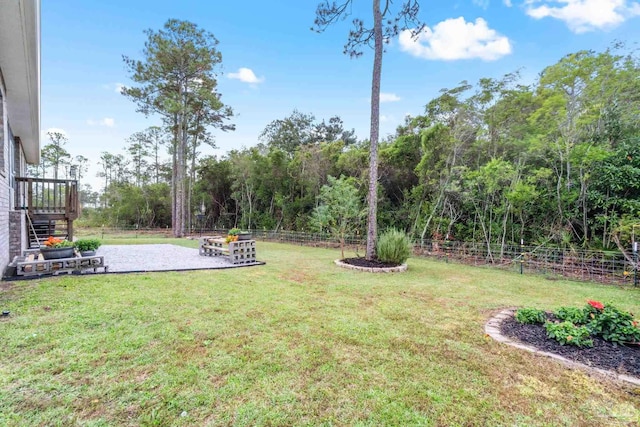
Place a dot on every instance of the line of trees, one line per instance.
(498, 161)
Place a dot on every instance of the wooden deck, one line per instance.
(51, 205)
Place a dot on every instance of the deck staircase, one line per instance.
(51, 207)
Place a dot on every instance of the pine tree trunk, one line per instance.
(180, 178)
(174, 174)
(372, 225)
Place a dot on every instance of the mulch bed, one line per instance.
(363, 262)
(604, 355)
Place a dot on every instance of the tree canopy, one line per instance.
(176, 79)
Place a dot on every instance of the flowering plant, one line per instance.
(53, 242)
(595, 304)
(576, 326)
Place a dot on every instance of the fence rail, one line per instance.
(609, 267)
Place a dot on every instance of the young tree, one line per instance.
(177, 80)
(379, 33)
(340, 211)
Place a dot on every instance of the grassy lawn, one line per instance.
(295, 342)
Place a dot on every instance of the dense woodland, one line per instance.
(556, 162)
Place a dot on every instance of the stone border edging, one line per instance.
(397, 269)
(492, 328)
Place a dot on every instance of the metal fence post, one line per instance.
(521, 256)
(635, 267)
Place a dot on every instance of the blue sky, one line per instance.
(273, 63)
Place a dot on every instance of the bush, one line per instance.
(531, 316)
(568, 333)
(577, 325)
(572, 314)
(394, 247)
(613, 325)
(87, 244)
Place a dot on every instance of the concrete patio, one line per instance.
(160, 257)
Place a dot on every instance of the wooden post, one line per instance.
(30, 196)
(70, 230)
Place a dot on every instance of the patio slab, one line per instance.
(160, 257)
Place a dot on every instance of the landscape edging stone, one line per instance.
(492, 328)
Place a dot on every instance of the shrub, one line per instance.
(568, 333)
(574, 315)
(393, 247)
(87, 244)
(614, 325)
(234, 232)
(531, 316)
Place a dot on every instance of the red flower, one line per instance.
(595, 304)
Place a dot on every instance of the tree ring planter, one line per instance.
(397, 269)
(87, 253)
(57, 253)
(244, 236)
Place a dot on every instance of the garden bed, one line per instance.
(603, 355)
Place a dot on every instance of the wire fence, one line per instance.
(610, 267)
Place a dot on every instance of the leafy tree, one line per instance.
(138, 149)
(289, 133)
(214, 190)
(177, 80)
(378, 34)
(81, 165)
(334, 130)
(340, 210)
(54, 153)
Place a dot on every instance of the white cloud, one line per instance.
(246, 75)
(107, 121)
(507, 3)
(389, 97)
(117, 87)
(584, 15)
(481, 3)
(457, 39)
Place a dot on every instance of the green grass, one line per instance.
(298, 341)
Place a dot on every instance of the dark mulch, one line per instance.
(363, 262)
(604, 355)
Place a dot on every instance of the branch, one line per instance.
(330, 13)
(624, 252)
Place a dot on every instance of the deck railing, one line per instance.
(44, 196)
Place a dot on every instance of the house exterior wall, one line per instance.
(18, 232)
(13, 229)
(5, 186)
(19, 114)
